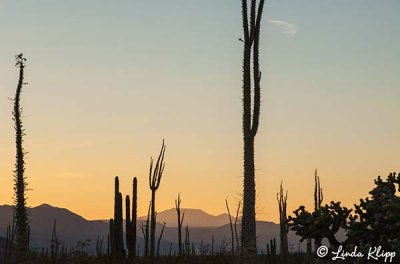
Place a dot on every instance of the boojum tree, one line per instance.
(250, 121)
(20, 209)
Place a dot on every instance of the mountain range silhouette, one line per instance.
(72, 228)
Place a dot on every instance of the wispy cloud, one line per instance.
(286, 27)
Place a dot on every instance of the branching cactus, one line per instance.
(180, 222)
(154, 183)
(283, 223)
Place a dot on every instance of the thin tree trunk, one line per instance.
(236, 232)
(152, 224)
(231, 226)
(159, 239)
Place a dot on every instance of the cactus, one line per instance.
(318, 195)
(128, 231)
(283, 224)
(108, 250)
(180, 221)
(154, 183)
(271, 251)
(318, 198)
(250, 121)
(134, 219)
(131, 223)
(116, 229)
(111, 240)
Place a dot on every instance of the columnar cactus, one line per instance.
(318, 195)
(134, 218)
(128, 230)
(116, 229)
(318, 198)
(111, 239)
(131, 222)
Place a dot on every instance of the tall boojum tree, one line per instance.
(20, 209)
(251, 114)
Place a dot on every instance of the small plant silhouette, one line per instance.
(283, 223)
(180, 222)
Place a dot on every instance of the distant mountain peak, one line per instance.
(194, 217)
(45, 205)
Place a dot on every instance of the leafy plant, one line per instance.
(377, 219)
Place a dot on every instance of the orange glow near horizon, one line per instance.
(107, 82)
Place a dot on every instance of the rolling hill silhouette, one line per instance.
(72, 228)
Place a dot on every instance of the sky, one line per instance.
(108, 80)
